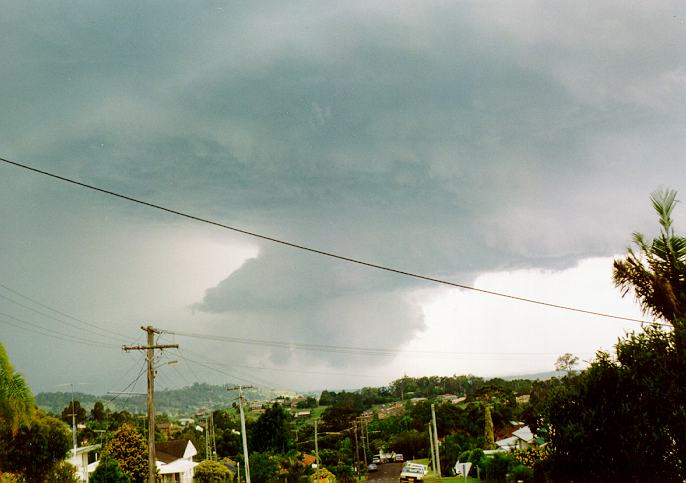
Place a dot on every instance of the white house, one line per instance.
(78, 457)
(175, 461)
(520, 439)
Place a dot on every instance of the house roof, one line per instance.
(174, 450)
(524, 434)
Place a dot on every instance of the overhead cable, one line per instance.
(321, 252)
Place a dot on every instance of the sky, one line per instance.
(507, 146)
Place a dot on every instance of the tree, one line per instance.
(16, 401)
(108, 471)
(209, 471)
(130, 450)
(36, 448)
(566, 362)
(263, 468)
(656, 270)
(624, 418)
(75, 409)
(489, 440)
(98, 412)
(271, 431)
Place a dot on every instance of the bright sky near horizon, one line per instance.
(510, 146)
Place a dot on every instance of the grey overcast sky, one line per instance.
(511, 146)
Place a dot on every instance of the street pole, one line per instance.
(431, 446)
(316, 449)
(150, 355)
(438, 456)
(243, 432)
(73, 420)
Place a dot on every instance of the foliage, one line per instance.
(130, 450)
(292, 468)
(108, 471)
(489, 442)
(98, 412)
(36, 448)
(209, 471)
(410, 443)
(520, 472)
(531, 456)
(309, 402)
(63, 472)
(623, 418)
(494, 468)
(324, 475)
(16, 400)
(344, 472)
(76, 409)
(263, 467)
(656, 270)
(272, 431)
(566, 362)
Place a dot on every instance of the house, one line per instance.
(175, 461)
(522, 438)
(78, 457)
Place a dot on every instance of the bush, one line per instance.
(521, 473)
(212, 472)
(108, 471)
(495, 468)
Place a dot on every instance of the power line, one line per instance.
(347, 349)
(38, 329)
(70, 324)
(318, 251)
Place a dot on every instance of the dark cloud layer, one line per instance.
(438, 137)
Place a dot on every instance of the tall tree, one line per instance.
(130, 450)
(656, 270)
(16, 401)
(272, 431)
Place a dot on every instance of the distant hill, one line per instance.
(187, 400)
(537, 376)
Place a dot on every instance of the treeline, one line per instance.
(429, 387)
(183, 401)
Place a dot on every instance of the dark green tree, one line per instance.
(108, 471)
(98, 413)
(263, 467)
(271, 432)
(624, 418)
(36, 448)
(76, 409)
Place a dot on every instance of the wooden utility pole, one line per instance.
(243, 432)
(431, 445)
(150, 349)
(438, 456)
(316, 449)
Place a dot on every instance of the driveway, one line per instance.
(388, 472)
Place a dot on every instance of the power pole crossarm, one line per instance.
(150, 350)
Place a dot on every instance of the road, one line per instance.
(388, 472)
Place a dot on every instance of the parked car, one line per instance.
(376, 460)
(372, 467)
(398, 457)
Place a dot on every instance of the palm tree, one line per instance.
(16, 399)
(656, 270)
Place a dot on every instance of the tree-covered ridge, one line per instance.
(183, 401)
